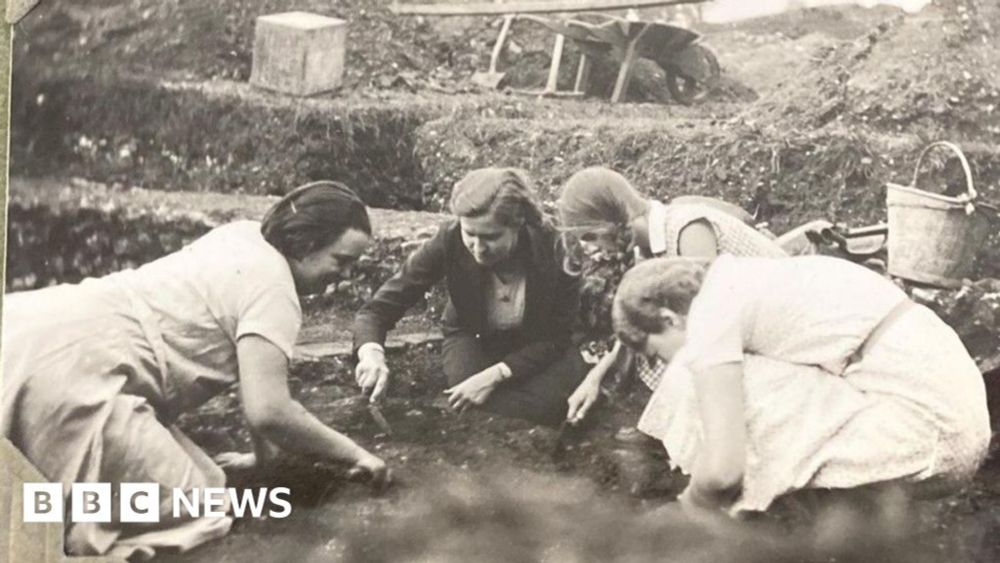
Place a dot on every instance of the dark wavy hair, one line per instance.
(313, 216)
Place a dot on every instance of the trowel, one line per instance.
(376, 413)
(561, 443)
(491, 79)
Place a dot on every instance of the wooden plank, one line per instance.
(542, 93)
(625, 71)
(528, 7)
(553, 82)
(498, 47)
(582, 74)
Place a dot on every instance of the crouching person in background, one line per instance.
(800, 373)
(510, 311)
(602, 213)
(96, 373)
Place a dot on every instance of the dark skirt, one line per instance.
(538, 397)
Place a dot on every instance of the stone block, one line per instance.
(298, 53)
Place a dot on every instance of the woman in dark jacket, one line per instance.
(511, 307)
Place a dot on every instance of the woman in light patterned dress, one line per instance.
(800, 373)
(97, 373)
(597, 204)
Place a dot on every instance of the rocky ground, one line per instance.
(818, 109)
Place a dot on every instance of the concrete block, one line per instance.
(298, 53)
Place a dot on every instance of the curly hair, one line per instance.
(670, 283)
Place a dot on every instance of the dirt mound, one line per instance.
(197, 40)
(934, 75)
(785, 176)
(766, 62)
(149, 133)
(192, 41)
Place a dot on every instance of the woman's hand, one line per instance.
(372, 373)
(587, 393)
(277, 418)
(474, 390)
(236, 461)
(584, 397)
(374, 469)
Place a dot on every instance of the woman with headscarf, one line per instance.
(97, 373)
(511, 306)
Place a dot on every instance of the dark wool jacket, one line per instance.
(551, 295)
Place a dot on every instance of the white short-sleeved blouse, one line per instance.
(205, 297)
(812, 310)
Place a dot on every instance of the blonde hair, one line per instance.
(599, 197)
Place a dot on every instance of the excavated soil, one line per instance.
(475, 487)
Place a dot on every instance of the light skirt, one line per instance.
(83, 398)
(913, 409)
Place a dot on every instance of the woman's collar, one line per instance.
(656, 228)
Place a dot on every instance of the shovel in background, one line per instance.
(491, 79)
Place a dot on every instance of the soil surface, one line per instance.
(480, 487)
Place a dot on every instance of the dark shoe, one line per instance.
(643, 475)
(632, 437)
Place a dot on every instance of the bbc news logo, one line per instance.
(140, 502)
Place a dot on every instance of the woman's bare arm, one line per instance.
(281, 420)
(588, 391)
(722, 459)
(698, 240)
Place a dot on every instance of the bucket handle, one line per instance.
(968, 198)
